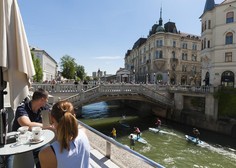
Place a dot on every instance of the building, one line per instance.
(123, 76)
(49, 65)
(166, 56)
(218, 43)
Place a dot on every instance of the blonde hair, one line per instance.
(67, 129)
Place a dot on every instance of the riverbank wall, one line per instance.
(192, 115)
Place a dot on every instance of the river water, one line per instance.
(170, 150)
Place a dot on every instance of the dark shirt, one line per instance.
(24, 109)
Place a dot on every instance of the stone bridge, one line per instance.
(118, 92)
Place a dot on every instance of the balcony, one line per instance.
(159, 63)
(174, 60)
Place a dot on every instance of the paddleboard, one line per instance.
(156, 130)
(125, 125)
(141, 140)
(194, 140)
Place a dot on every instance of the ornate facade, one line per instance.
(218, 43)
(166, 56)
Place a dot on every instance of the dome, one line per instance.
(160, 29)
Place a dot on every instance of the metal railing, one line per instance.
(120, 154)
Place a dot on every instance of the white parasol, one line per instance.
(15, 57)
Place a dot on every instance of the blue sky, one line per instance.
(97, 33)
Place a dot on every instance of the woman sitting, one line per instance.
(72, 146)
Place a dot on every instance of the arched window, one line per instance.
(230, 17)
(227, 79)
(229, 38)
(173, 54)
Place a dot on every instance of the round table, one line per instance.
(23, 151)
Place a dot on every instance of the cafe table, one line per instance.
(23, 152)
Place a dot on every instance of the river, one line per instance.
(170, 150)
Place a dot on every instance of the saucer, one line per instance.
(32, 141)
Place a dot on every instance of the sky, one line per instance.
(98, 33)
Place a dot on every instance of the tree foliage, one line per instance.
(68, 67)
(80, 72)
(87, 78)
(38, 77)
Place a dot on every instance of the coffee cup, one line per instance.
(23, 129)
(22, 139)
(36, 133)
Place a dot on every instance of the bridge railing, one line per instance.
(156, 95)
(76, 88)
(108, 90)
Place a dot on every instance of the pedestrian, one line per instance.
(196, 133)
(137, 131)
(71, 149)
(113, 133)
(132, 142)
(158, 123)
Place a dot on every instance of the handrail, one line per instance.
(146, 161)
(109, 90)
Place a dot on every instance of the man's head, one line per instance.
(40, 95)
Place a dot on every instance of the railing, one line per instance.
(120, 154)
(72, 88)
(85, 94)
(118, 90)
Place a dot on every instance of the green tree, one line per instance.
(80, 72)
(38, 77)
(87, 78)
(68, 67)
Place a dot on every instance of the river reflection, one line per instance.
(170, 150)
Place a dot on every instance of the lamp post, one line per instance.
(146, 78)
(168, 77)
(154, 78)
(134, 76)
(99, 76)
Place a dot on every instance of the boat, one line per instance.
(156, 130)
(141, 140)
(194, 140)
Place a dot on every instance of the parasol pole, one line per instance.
(3, 85)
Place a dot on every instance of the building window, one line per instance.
(204, 43)
(194, 47)
(230, 17)
(184, 56)
(184, 45)
(194, 57)
(229, 38)
(173, 54)
(184, 68)
(208, 44)
(228, 57)
(209, 24)
(194, 69)
(159, 43)
(174, 43)
(159, 54)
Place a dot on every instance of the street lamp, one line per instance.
(154, 76)
(99, 76)
(168, 77)
(134, 75)
(147, 79)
